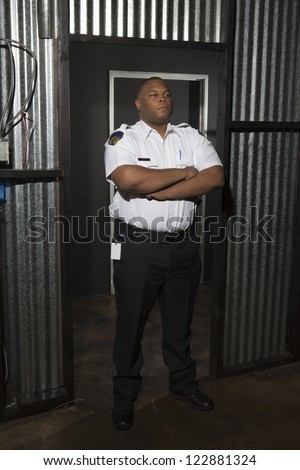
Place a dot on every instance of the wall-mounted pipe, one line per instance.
(47, 19)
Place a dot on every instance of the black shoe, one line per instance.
(123, 419)
(195, 399)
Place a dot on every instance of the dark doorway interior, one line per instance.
(89, 78)
(125, 94)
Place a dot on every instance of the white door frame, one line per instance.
(203, 118)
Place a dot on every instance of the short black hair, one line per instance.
(141, 85)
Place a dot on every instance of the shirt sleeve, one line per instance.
(117, 154)
(205, 155)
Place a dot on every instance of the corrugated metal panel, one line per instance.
(32, 317)
(18, 21)
(263, 174)
(266, 81)
(32, 320)
(185, 20)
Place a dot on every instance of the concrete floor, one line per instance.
(94, 323)
(259, 410)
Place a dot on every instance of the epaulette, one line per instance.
(184, 124)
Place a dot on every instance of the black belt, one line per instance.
(125, 231)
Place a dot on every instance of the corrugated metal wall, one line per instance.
(18, 21)
(263, 179)
(32, 316)
(185, 20)
(263, 172)
(266, 83)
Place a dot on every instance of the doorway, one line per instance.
(91, 69)
(90, 64)
(190, 95)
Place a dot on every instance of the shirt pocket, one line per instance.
(184, 158)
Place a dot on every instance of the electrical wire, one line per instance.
(8, 126)
(28, 136)
(26, 139)
(9, 102)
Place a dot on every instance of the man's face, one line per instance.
(155, 103)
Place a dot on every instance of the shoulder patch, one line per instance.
(115, 137)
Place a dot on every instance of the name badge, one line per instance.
(115, 251)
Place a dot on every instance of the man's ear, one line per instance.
(138, 104)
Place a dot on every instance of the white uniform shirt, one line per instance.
(139, 144)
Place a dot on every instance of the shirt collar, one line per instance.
(146, 130)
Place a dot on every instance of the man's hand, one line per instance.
(191, 172)
(203, 182)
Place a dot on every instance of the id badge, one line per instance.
(115, 251)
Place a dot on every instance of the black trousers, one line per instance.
(147, 271)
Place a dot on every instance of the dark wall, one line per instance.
(89, 81)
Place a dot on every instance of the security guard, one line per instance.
(159, 171)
